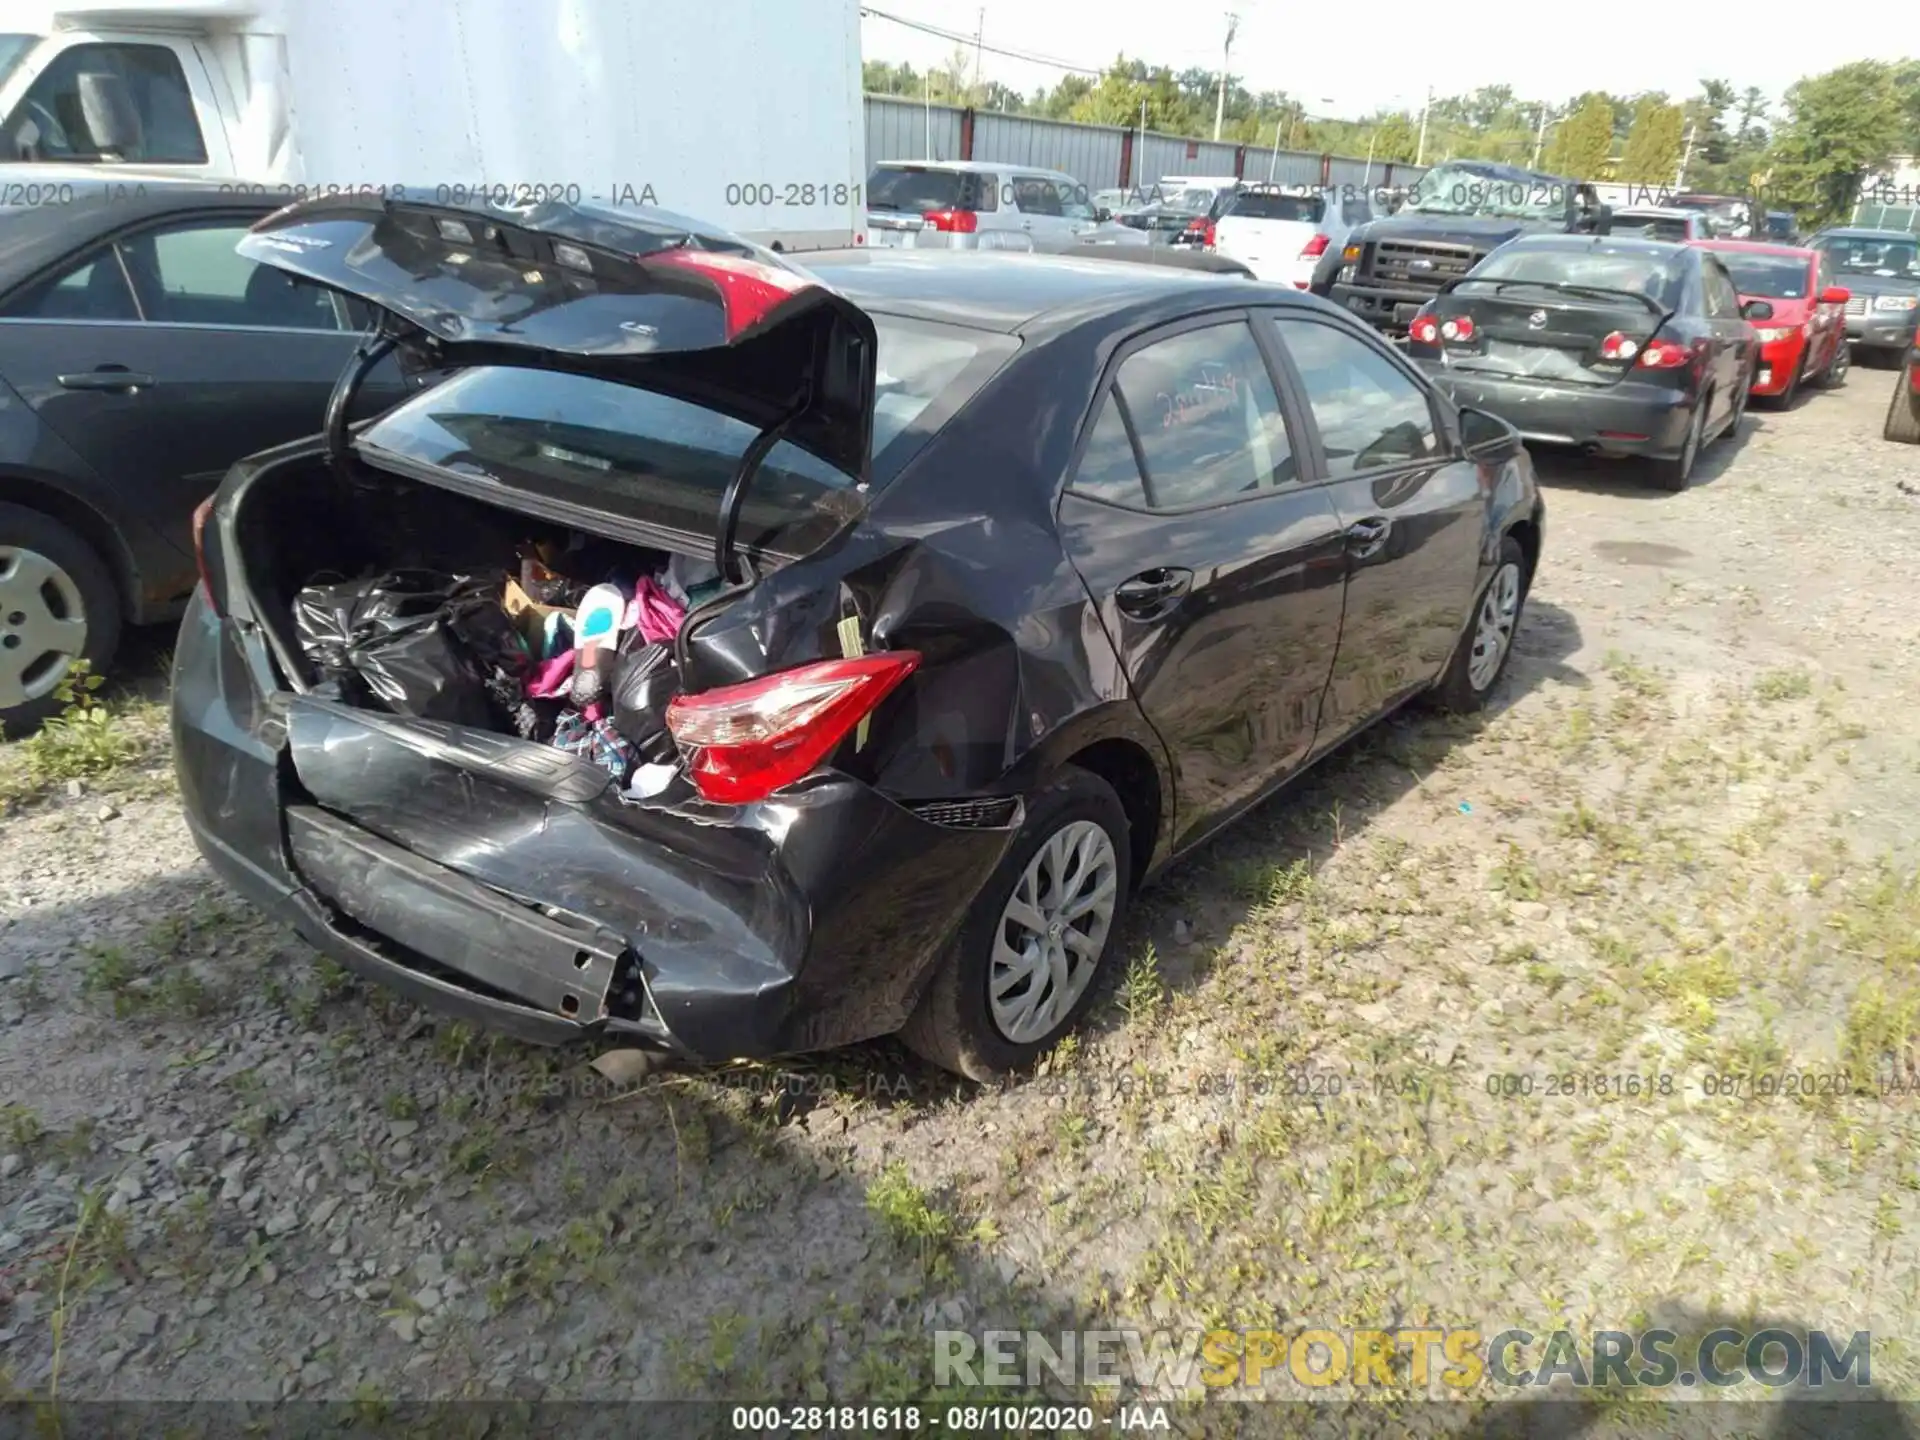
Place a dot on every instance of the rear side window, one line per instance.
(1035, 195)
(192, 275)
(1253, 205)
(50, 122)
(1204, 422)
(1369, 413)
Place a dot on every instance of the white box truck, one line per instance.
(743, 113)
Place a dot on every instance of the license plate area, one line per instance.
(562, 965)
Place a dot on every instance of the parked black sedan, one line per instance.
(1613, 345)
(1031, 573)
(139, 358)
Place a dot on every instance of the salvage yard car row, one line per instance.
(660, 639)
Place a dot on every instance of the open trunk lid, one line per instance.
(639, 296)
(1539, 330)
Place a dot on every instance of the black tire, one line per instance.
(1676, 474)
(1903, 411)
(88, 587)
(1457, 691)
(1789, 397)
(953, 1025)
(1838, 368)
(1732, 432)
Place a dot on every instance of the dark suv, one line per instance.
(1457, 214)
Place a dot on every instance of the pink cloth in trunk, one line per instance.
(552, 676)
(654, 613)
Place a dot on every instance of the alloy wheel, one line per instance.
(1837, 367)
(1052, 932)
(43, 625)
(1493, 628)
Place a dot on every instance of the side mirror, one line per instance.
(1102, 214)
(1481, 432)
(1756, 310)
(1835, 295)
(112, 119)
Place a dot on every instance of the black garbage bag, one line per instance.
(643, 683)
(418, 642)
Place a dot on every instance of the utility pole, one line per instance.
(1420, 155)
(1686, 158)
(979, 36)
(1226, 60)
(1540, 138)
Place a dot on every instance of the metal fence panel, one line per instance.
(904, 129)
(1089, 153)
(1282, 167)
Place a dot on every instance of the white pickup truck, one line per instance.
(746, 115)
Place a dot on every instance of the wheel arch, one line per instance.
(59, 503)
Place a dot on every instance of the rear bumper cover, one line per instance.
(1565, 415)
(1780, 361)
(806, 922)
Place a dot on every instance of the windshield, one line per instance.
(598, 443)
(1462, 190)
(1860, 255)
(12, 47)
(1772, 277)
(1258, 205)
(1639, 271)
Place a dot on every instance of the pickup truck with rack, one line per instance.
(1456, 214)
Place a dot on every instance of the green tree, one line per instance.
(1752, 132)
(1395, 139)
(1840, 127)
(1584, 141)
(1654, 144)
(1708, 112)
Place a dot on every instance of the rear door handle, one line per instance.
(1365, 537)
(106, 377)
(1153, 593)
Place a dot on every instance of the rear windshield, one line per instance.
(1653, 227)
(1252, 205)
(1636, 270)
(603, 445)
(1775, 277)
(916, 191)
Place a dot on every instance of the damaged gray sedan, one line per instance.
(741, 660)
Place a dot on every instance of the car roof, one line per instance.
(1493, 170)
(1662, 212)
(1760, 247)
(1850, 232)
(35, 237)
(1017, 293)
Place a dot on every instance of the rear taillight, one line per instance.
(748, 288)
(952, 222)
(1460, 327)
(1204, 230)
(743, 742)
(1666, 355)
(1619, 347)
(1425, 330)
(1315, 248)
(201, 514)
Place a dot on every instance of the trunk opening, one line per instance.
(391, 594)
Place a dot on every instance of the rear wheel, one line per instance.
(1677, 473)
(1903, 411)
(58, 604)
(1484, 651)
(1034, 952)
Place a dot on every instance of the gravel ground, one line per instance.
(1681, 847)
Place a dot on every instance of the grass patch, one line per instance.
(1793, 683)
(88, 738)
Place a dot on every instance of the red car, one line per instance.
(1804, 341)
(1903, 413)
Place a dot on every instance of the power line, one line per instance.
(974, 40)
